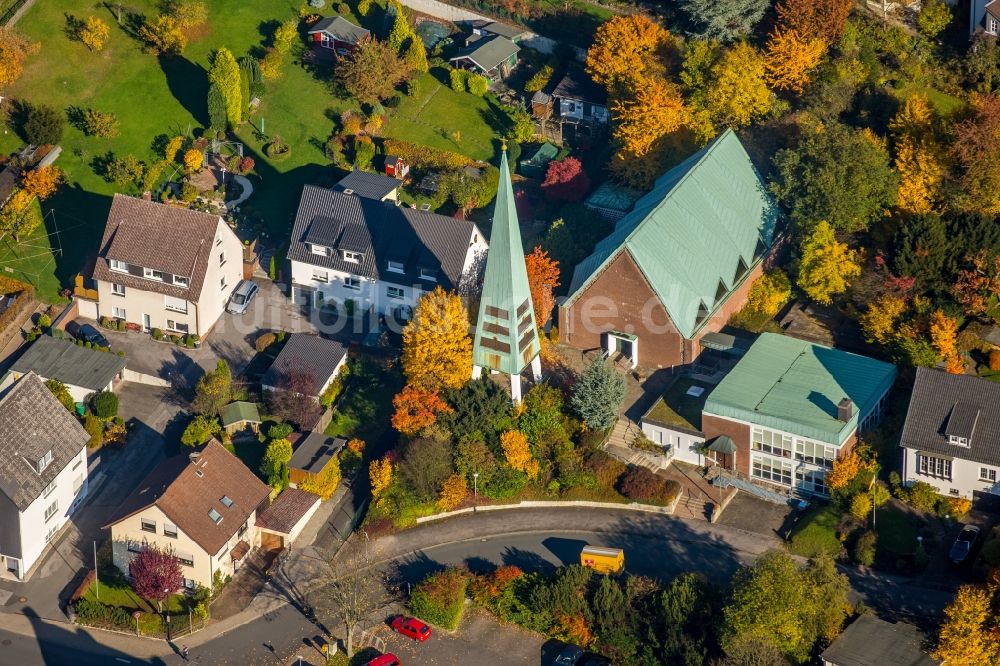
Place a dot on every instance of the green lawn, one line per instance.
(365, 406)
(942, 101)
(816, 532)
(113, 589)
(31, 260)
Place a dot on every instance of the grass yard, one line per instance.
(942, 101)
(113, 589)
(365, 406)
(816, 532)
(32, 260)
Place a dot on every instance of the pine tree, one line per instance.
(415, 55)
(216, 108)
(598, 395)
(401, 30)
(725, 21)
(244, 95)
(252, 68)
(225, 74)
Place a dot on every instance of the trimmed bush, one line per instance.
(864, 549)
(264, 341)
(457, 79)
(641, 485)
(105, 405)
(440, 597)
(477, 84)
(101, 615)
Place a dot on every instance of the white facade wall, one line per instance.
(213, 299)
(683, 446)
(70, 490)
(569, 108)
(138, 302)
(965, 475)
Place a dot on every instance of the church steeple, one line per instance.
(506, 332)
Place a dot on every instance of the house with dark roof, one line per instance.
(361, 255)
(43, 473)
(486, 28)
(83, 371)
(165, 267)
(871, 641)
(678, 264)
(202, 507)
(369, 185)
(984, 17)
(951, 438)
(317, 359)
(490, 55)
(337, 35)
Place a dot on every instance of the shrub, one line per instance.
(920, 495)
(554, 334)
(539, 80)
(105, 405)
(440, 597)
(477, 84)
(364, 151)
(157, 334)
(264, 341)
(864, 549)
(100, 124)
(189, 192)
(861, 506)
(43, 125)
(94, 428)
(457, 79)
(995, 359)
(641, 485)
(44, 321)
(98, 614)
(280, 431)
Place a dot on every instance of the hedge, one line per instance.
(440, 598)
(425, 157)
(641, 485)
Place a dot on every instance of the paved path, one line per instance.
(244, 195)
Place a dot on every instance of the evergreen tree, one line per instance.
(401, 30)
(725, 21)
(598, 395)
(415, 55)
(216, 109)
(252, 68)
(244, 95)
(225, 74)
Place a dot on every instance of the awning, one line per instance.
(723, 444)
(239, 551)
(624, 336)
(725, 342)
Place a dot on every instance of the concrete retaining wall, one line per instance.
(633, 506)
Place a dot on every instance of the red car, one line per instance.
(411, 627)
(385, 660)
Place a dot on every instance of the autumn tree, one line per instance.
(965, 638)
(200, 430)
(380, 475)
(791, 59)
(61, 392)
(769, 293)
(163, 35)
(325, 483)
(518, 454)
(933, 17)
(405, 41)
(918, 155)
(879, 322)
(826, 266)
(155, 573)
(725, 21)
(225, 75)
(437, 350)
(565, 180)
(453, 492)
(193, 160)
(371, 71)
(14, 50)
(94, 33)
(977, 286)
(294, 399)
(187, 13)
(213, 390)
(976, 152)
(353, 590)
(543, 280)
(844, 470)
(656, 109)
(42, 182)
(944, 333)
(738, 93)
(628, 49)
(815, 19)
(416, 409)
(274, 465)
(20, 215)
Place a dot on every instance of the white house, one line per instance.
(359, 254)
(83, 371)
(674, 421)
(43, 472)
(164, 267)
(951, 438)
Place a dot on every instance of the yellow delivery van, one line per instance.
(603, 560)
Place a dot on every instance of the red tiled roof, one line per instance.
(286, 510)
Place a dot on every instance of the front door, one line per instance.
(146, 323)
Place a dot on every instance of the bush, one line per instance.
(364, 152)
(43, 125)
(98, 614)
(44, 321)
(264, 341)
(457, 79)
(920, 495)
(477, 84)
(440, 597)
(864, 549)
(995, 359)
(189, 193)
(280, 431)
(861, 506)
(539, 80)
(641, 485)
(554, 334)
(105, 405)
(99, 123)
(94, 428)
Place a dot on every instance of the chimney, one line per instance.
(845, 410)
(194, 456)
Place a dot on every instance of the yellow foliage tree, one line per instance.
(437, 351)
(573, 628)
(656, 109)
(844, 470)
(193, 160)
(738, 93)
(14, 50)
(380, 473)
(791, 59)
(454, 490)
(42, 182)
(827, 266)
(944, 335)
(964, 639)
(915, 118)
(325, 483)
(920, 175)
(861, 506)
(172, 148)
(625, 50)
(770, 292)
(95, 33)
(879, 322)
(518, 453)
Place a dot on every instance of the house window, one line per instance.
(774, 471)
(117, 289)
(51, 533)
(812, 481)
(222, 258)
(352, 283)
(49, 488)
(150, 274)
(772, 442)
(170, 530)
(190, 583)
(354, 257)
(428, 274)
(51, 510)
(958, 441)
(117, 312)
(119, 266)
(215, 516)
(934, 466)
(147, 525)
(815, 453)
(242, 530)
(994, 26)
(987, 474)
(77, 484)
(177, 326)
(136, 546)
(43, 462)
(181, 281)
(222, 284)
(186, 559)
(395, 292)
(175, 304)
(320, 276)
(396, 266)
(321, 250)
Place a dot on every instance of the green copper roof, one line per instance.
(506, 334)
(235, 412)
(795, 386)
(705, 223)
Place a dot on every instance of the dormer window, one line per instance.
(353, 257)
(119, 266)
(396, 266)
(961, 425)
(720, 292)
(150, 274)
(321, 250)
(215, 516)
(181, 281)
(958, 441)
(43, 462)
(428, 274)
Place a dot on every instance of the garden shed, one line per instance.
(241, 416)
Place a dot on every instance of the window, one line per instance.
(175, 304)
(396, 266)
(222, 284)
(186, 559)
(136, 546)
(987, 474)
(43, 462)
(222, 258)
(181, 281)
(77, 483)
(775, 471)
(150, 274)
(815, 453)
(177, 326)
(218, 241)
(117, 312)
(428, 274)
(352, 283)
(934, 466)
(993, 26)
(51, 533)
(812, 481)
(49, 488)
(242, 530)
(772, 442)
(51, 511)
(354, 257)
(117, 289)
(79, 461)
(170, 530)
(190, 583)
(147, 525)
(395, 292)
(215, 516)
(321, 250)
(226, 501)
(320, 276)
(958, 441)
(119, 266)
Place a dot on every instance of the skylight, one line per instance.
(226, 501)
(215, 516)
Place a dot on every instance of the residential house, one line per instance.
(83, 371)
(369, 185)
(871, 641)
(201, 507)
(337, 34)
(674, 420)
(165, 267)
(492, 56)
(678, 265)
(984, 17)
(578, 98)
(364, 255)
(317, 359)
(951, 438)
(789, 408)
(312, 455)
(283, 520)
(43, 472)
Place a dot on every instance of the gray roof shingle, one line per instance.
(33, 422)
(366, 184)
(489, 52)
(340, 29)
(307, 354)
(69, 363)
(871, 641)
(314, 452)
(380, 231)
(940, 397)
(578, 85)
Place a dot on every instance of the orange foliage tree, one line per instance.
(626, 49)
(815, 19)
(43, 182)
(791, 58)
(454, 490)
(518, 453)
(977, 154)
(977, 287)
(573, 629)
(543, 279)
(944, 332)
(14, 50)
(416, 408)
(844, 471)
(656, 109)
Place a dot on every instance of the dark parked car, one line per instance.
(87, 333)
(569, 656)
(963, 544)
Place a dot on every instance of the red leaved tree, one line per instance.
(293, 399)
(543, 279)
(566, 180)
(416, 408)
(156, 574)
